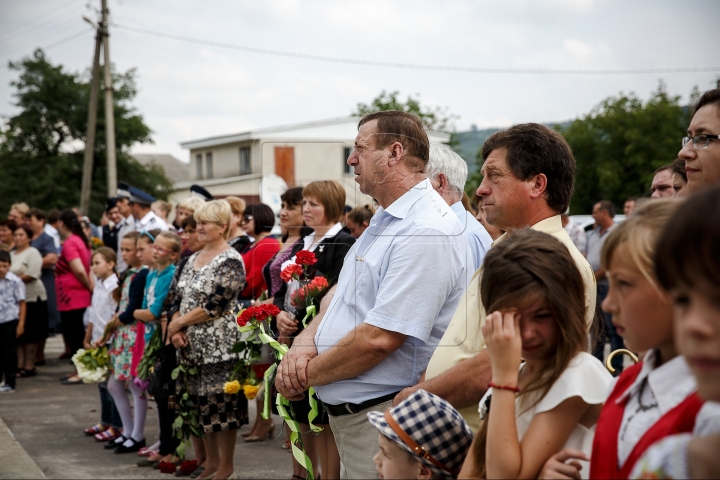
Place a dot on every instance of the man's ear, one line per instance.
(443, 181)
(425, 473)
(538, 186)
(397, 152)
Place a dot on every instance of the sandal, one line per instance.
(108, 435)
(98, 428)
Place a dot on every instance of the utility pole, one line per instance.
(109, 113)
(102, 39)
(92, 122)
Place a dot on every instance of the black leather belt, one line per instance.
(351, 408)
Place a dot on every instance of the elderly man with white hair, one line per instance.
(448, 172)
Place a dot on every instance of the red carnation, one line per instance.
(244, 317)
(271, 310)
(188, 466)
(305, 257)
(291, 271)
(166, 467)
(320, 283)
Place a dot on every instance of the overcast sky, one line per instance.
(189, 91)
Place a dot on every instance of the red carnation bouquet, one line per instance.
(253, 316)
(309, 290)
(304, 296)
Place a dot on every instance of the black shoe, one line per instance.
(132, 448)
(112, 443)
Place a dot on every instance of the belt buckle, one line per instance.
(349, 408)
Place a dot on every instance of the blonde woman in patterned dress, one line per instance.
(204, 331)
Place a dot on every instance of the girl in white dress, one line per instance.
(552, 400)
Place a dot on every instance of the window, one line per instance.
(209, 165)
(346, 154)
(245, 168)
(198, 160)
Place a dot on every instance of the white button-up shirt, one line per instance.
(103, 305)
(151, 222)
(406, 274)
(667, 387)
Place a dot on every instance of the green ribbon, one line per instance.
(283, 404)
(266, 381)
(311, 312)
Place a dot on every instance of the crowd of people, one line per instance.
(451, 341)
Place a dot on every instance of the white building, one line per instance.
(301, 153)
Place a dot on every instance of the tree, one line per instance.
(41, 148)
(434, 119)
(620, 143)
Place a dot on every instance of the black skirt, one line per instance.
(36, 323)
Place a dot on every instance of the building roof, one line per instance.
(344, 128)
(175, 170)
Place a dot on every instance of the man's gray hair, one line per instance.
(444, 160)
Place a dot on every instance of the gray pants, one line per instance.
(357, 442)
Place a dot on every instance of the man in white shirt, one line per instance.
(576, 232)
(448, 172)
(398, 287)
(127, 224)
(145, 218)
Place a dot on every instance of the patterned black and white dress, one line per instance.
(214, 288)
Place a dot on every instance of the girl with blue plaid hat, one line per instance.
(546, 390)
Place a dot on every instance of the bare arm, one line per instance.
(144, 315)
(193, 317)
(359, 351)
(78, 270)
(21, 319)
(49, 260)
(462, 386)
(27, 278)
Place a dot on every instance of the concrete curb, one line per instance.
(14, 460)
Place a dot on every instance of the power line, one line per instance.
(410, 66)
(64, 40)
(71, 37)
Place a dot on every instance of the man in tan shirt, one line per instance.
(527, 182)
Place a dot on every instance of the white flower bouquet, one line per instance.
(93, 366)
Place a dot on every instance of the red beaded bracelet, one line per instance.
(504, 387)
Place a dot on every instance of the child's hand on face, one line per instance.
(502, 338)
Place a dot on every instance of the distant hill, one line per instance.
(472, 140)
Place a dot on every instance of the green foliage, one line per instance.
(434, 119)
(620, 143)
(41, 148)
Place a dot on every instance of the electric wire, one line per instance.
(410, 66)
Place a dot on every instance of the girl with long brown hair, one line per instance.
(546, 390)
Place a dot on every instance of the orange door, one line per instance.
(285, 164)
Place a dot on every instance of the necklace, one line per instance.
(640, 408)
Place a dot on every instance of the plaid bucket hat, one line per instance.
(429, 428)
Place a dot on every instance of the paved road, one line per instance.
(48, 419)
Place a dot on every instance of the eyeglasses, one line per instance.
(161, 249)
(700, 142)
(247, 218)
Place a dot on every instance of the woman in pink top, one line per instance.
(72, 283)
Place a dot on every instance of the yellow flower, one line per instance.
(232, 387)
(250, 391)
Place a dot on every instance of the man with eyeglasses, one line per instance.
(701, 148)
